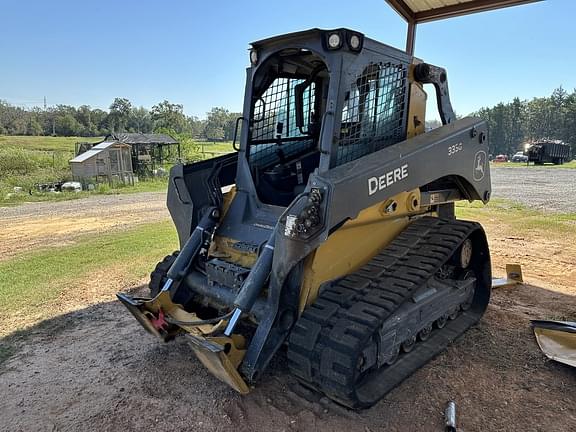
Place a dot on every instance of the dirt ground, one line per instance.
(96, 369)
(46, 224)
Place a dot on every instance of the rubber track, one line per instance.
(327, 340)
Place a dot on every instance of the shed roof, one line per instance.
(103, 145)
(86, 155)
(420, 11)
(140, 138)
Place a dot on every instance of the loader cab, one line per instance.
(289, 96)
(316, 100)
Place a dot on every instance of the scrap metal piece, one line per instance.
(513, 277)
(450, 416)
(557, 340)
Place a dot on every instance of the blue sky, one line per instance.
(195, 52)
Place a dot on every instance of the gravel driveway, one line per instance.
(48, 224)
(550, 189)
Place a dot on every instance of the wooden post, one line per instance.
(411, 38)
(121, 164)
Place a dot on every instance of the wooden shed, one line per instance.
(108, 161)
(149, 151)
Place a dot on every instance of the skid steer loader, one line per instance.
(331, 231)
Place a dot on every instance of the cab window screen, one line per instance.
(374, 112)
(275, 116)
(277, 106)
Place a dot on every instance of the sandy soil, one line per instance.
(47, 224)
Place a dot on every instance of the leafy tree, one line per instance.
(196, 127)
(34, 127)
(220, 124)
(67, 125)
(167, 115)
(140, 121)
(119, 114)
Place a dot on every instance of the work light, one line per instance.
(334, 41)
(355, 42)
(253, 56)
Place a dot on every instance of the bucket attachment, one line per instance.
(513, 277)
(220, 354)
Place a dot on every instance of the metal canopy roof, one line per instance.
(421, 11)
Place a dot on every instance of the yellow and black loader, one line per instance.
(331, 231)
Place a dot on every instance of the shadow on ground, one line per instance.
(96, 369)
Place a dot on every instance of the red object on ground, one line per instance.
(159, 322)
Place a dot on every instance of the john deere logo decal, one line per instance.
(479, 165)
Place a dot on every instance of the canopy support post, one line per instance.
(411, 37)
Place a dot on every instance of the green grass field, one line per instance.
(214, 149)
(34, 279)
(45, 143)
(33, 284)
(571, 164)
(27, 160)
(519, 218)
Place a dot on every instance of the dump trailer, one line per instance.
(542, 152)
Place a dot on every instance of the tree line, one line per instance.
(514, 124)
(511, 124)
(122, 116)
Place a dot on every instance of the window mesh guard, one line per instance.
(374, 114)
(278, 106)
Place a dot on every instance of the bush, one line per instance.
(19, 161)
(25, 168)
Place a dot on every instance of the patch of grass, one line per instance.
(31, 282)
(27, 160)
(152, 184)
(519, 218)
(571, 165)
(209, 150)
(45, 143)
